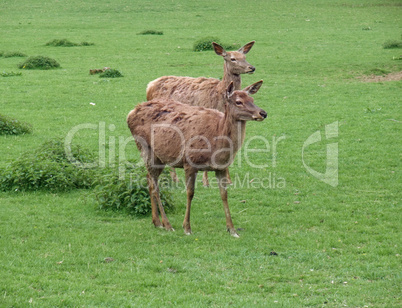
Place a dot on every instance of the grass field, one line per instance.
(303, 242)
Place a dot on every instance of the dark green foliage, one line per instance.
(392, 44)
(130, 194)
(205, 43)
(150, 32)
(66, 43)
(11, 74)
(48, 168)
(39, 62)
(11, 54)
(86, 44)
(10, 126)
(111, 73)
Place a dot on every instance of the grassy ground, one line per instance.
(303, 243)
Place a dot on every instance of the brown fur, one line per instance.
(195, 138)
(201, 91)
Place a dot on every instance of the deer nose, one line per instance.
(252, 69)
(263, 114)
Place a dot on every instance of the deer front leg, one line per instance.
(223, 182)
(190, 184)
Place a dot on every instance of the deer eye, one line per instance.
(239, 103)
(233, 59)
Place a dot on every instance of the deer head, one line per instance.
(241, 105)
(235, 61)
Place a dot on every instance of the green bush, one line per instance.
(10, 126)
(12, 54)
(39, 62)
(48, 168)
(205, 43)
(111, 73)
(150, 32)
(131, 193)
(392, 44)
(66, 43)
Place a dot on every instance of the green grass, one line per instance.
(336, 246)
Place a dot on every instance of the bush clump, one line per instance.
(130, 194)
(66, 43)
(150, 32)
(39, 62)
(111, 73)
(12, 54)
(205, 43)
(10, 126)
(390, 44)
(48, 168)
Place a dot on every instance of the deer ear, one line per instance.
(246, 48)
(252, 89)
(230, 89)
(219, 49)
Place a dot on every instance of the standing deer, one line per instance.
(195, 138)
(205, 92)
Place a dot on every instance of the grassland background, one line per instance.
(336, 246)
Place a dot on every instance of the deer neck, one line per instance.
(228, 77)
(233, 130)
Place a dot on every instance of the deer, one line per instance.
(194, 138)
(201, 91)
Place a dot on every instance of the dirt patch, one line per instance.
(381, 78)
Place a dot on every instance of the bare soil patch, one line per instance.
(381, 78)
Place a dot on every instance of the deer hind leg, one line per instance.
(154, 203)
(173, 175)
(153, 177)
(223, 182)
(155, 167)
(191, 175)
(205, 181)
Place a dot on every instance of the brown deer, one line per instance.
(205, 92)
(195, 138)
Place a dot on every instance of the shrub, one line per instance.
(12, 54)
(48, 168)
(39, 62)
(205, 43)
(66, 43)
(10, 126)
(150, 32)
(86, 44)
(392, 44)
(111, 73)
(131, 193)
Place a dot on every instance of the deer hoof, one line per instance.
(233, 233)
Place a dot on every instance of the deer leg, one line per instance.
(154, 203)
(155, 167)
(154, 174)
(173, 175)
(228, 177)
(190, 184)
(223, 182)
(205, 181)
